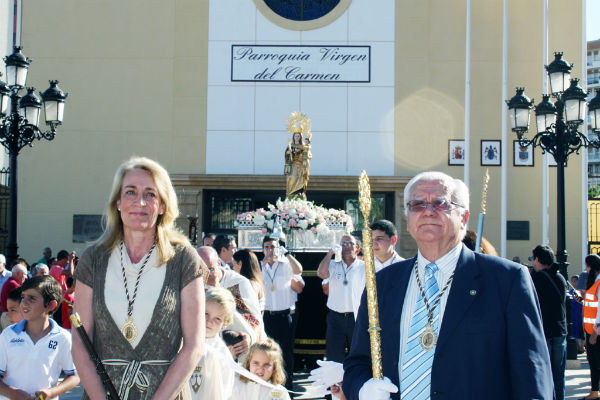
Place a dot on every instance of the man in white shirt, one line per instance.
(385, 237)
(226, 248)
(342, 277)
(283, 282)
(4, 273)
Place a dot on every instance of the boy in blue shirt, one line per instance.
(35, 351)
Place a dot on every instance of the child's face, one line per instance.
(215, 317)
(14, 311)
(261, 365)
(32, 305)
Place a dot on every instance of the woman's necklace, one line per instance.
(129, 330)
(428, 338)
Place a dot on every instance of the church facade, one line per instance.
(205, 88)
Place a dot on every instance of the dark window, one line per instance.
(301, 10)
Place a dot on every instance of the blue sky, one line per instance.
(592, 24)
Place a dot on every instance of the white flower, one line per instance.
(269, 214)
(259, 220)
(303, 224)
(270, 224)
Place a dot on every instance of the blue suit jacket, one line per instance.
(491, 344)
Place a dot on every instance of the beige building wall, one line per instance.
(136, 76)
(430, 93)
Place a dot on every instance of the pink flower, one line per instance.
(263, 230)
(248, 217)
(313, 229)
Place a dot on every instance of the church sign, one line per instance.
(280, 63)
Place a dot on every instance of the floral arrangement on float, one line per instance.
(304, 223)
(295, 214)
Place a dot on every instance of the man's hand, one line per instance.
(337, 392)
(243, 346)
(594, 336)
(43, 394)
(283, 251)
(328, 374)
(377, 389)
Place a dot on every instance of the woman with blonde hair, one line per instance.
(140, 291)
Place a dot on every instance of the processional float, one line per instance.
(306, 226)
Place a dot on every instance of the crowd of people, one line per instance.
(168, 320)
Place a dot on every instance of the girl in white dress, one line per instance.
(213, 379)
(265, 360)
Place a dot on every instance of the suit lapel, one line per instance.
(395, 291)
(460, 297)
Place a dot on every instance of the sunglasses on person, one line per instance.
(441, 205)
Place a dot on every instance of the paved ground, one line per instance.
(577, 382)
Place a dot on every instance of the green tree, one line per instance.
(593, 192)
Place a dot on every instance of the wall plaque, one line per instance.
(287, 63)
(86, 228)
(517, 230)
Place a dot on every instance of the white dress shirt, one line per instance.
(392, 260)
(277, 277)
(358, 284)
(446, 266)
(340, 297)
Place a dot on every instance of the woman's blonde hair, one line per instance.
(224, 298)
(167, 235)
(273, 351)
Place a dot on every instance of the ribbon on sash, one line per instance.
(133, 374)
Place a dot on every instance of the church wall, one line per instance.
(152, 78)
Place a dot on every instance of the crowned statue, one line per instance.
(297, 155)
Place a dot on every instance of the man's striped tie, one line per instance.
(415, 374)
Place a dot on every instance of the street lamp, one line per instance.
(557, 132)
(19, 126)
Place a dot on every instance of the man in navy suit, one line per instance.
(454, 324)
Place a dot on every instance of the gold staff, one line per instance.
(364, 190)
(486, 179)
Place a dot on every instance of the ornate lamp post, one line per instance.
(557, 133)
(19, 126)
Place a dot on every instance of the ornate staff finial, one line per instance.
(486, 180)
(364, 189)
(364, 193)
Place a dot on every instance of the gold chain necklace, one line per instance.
(428, 338)
(129, 330)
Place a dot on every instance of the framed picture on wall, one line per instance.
(456, 152)
(522, 156)
(491, 153)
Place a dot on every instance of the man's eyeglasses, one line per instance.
(347, 243)
(441, 205)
